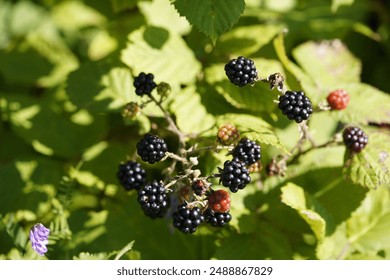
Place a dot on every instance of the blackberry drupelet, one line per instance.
(247, 151)
(241, 71)
(355, 138)
(295, 105)
(151, 148)
(131, 175)
(144, 84)
(200, 186)
(217, 219)
(154, 199)
(234, 175)
(187, 220)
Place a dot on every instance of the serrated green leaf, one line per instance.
(191, 115)
(161, 13)
(163, 53)
(370, 168)
(89, 256)
(98, 87)
(120, 5)
(212, 17)
(368, 228)
(295, 197)
(253, 128)
(329, 63)
(334, 246)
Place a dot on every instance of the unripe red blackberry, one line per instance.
(217, 219)
(187, 220)
(131, 175)
(295, 105)
(154, 199)
(241, 71)
(219, 201)
(338, 99)
(228, 134)
(247, 151)
(355, 138)
(234, 175)
(144, 84)
(151, 148)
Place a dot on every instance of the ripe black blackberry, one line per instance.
(247, 151)
(200, 186)
(355, 138)
(151, 148)
(234, 175)
(187, 220)
(217, 219)
(241, 71)
(131, 175)
(144, 84)
(295, 105)
(154, 199)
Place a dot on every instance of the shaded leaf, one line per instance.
(295, 197)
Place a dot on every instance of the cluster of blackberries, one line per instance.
(152, 197)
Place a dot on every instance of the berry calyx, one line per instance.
(151, 148)
(217, 219)
(247, 151)
(295, 105)
(338, 99)
(144, 83)
(241, 71)
(228, 134)
(154, 199)
(234, 175)
(131, 175)
(219, 201)
(187, 220)
(355, 138)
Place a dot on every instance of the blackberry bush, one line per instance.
(217, 219)
(144, 83)
(234, 175)
(131, 175)
(241, 71)
(151, 148)
(355, 138)
(187, 220)
(154, 199)
(295, 105)
(247, 151)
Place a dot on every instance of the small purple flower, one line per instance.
(39, 235)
